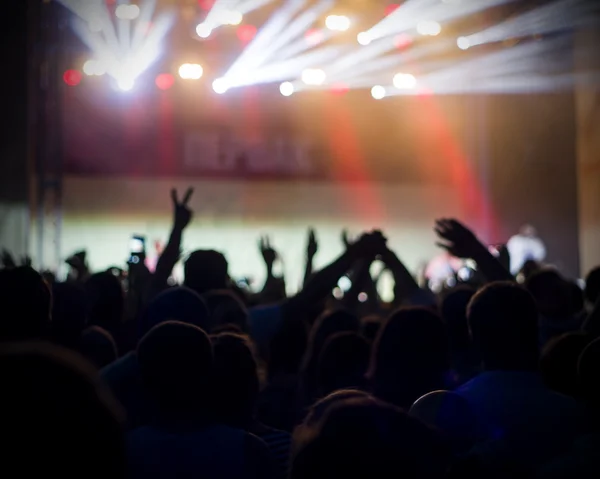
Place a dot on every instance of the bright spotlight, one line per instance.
(286, 88)
(338, 23)
(203, 30)
(220, 86)
(125, 84)
(127, 12)
(363, 38)
(94, 67)
(405, 81)
(463, 43)
(235, 18)
(313, 76)
(378, 92)
(429, 28)
(190, 71)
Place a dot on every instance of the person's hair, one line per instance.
(367, 438)
(410, 356)
(175, 304)
(206, 270)
(68, 314)
(343, 363)
(176, 366)
(451, 415)
(453, 310)
(588, 372)
(504, 325)
(326, 326)
(592, 285)
(558, 362)
(98, 346)
(105, 301)
(552, 294)
(370, 326)
(236, 382)
(226, 308)
(58, 419)
(25, 304)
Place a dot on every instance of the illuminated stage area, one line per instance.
(290, 114)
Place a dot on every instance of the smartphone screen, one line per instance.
(137, 245)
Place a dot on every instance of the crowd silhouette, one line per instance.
(110, 375)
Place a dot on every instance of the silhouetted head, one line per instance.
(105, 301)
(175, 304)
(558, 363)
(592, 285)
(451, 415)
(454, 312)
(236, 379)
(57, 418)
(206, 270)
(577, 298)
(588, 372)
(552, 294)
(410, 356)
(98, 346)
(504, 325)
(25, 304)
(68, 314)
(370, 326)
(287, 348)
(366, 438)
(176, 364)
(225, 308)
(343, 363)
(326, 326)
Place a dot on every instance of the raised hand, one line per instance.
(456, 238)
(370, 245)
(182, 214)
(266, 250)
(7, 259)
(313, 246)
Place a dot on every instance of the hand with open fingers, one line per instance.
(456, 238)
(181, 212)
(313, 246)
(266, 250)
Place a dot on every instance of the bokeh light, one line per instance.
(314, 36)
(378, 92)
(191, 71)
(338, 23)
(220, 86)
(246, 33)
(164, 81)
(429, 28)
(72, 77)
(203, 30)
(405, 81)
(463, 43)
(364, 38)
(391, 8)
(286, 88)
(313, 76)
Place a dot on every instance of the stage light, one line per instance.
(313, 76)
(314, 36)
(338, 23)
(391, 8)
(286, 88)
(72, 77)
(363, 38)
(378, 92)
(463, 43)
(220, 86)
(127, 12)
(229, 17)
(203, 30)
(94, 67)
(402, 41)
(405, 81)
(246, 33)
(164, 81)
(235, 18)
(125, 84)
(429, 28)
(190, 71)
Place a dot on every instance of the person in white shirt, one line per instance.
(525, 246)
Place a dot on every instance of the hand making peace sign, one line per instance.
(182, 214)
